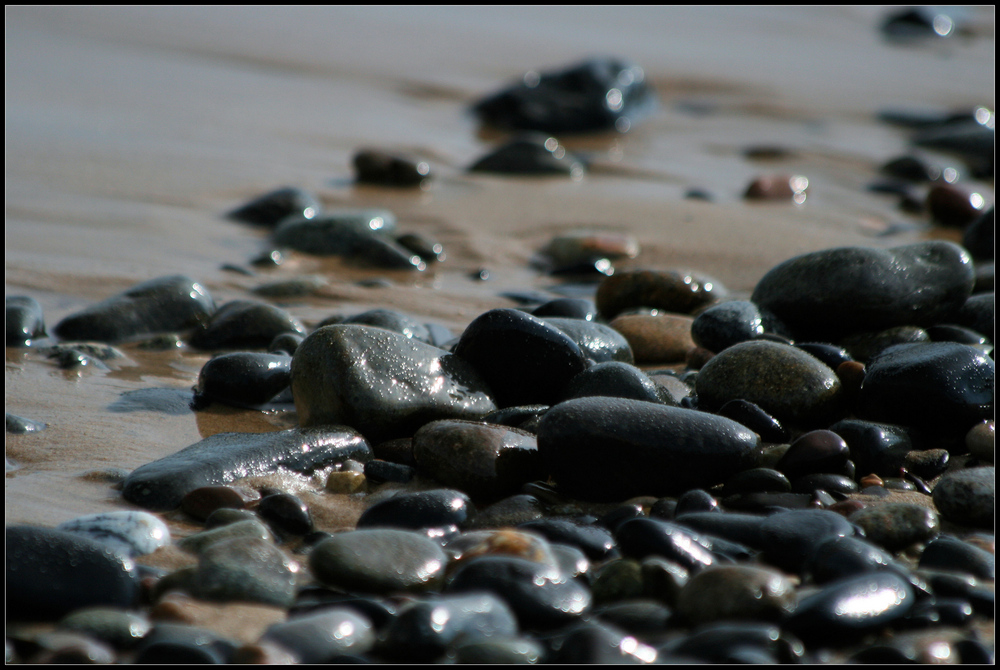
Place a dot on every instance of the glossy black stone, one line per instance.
(788, 539)
(978, 313)
(374, 166)
(286, 513)
(726, 324)
(524, 360)
(877, 448)
(391, 320)
(437, 508)
(757, 480)
(980, 236)
(824, 481)
(23, 319)
(530, 154)
(598, 342)
(361, 236)
(569, 308)
(818, 451)
(596, 642)
(947, 333)
(243, 379)
(756, 419)
(830, 354)
(245, 323)
(716, 641)
(271, 208)
(847, 556)
(950, 553)
(696, 500)
(599, 94)
(377, 470)
(640, 538)
(596, 542)
(615, 379)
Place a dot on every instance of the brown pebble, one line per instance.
(778, 187)
(870, 480)
(201, 502)
(670, 291)
(847, 507)
(851, 375)
(660, 338)
(981, 441)
(953, 206)
(346, 482)
(697, 357)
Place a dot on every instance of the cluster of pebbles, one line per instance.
(802, 476)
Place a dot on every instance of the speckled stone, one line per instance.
(896, 526)
(659, 338)
(133, 532)
(968, 496)
(245, 324)
(379, 560)
(251, 570)
(382, 383)
(670, 291)
(730, 592)
(785, 382)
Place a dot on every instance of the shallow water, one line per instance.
(131, 131)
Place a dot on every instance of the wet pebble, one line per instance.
(499, 651)
(818, 451)
(981, 441)
(863, 347)
(833, 292)
(954, 206)
(577, 247)
(978, 313)
(598, 342)
(225, 457)
(778, 188)
(120, 628)
(320, 637)
(378, 560)
(569, 308)
(896, 526)
(757, 480)
(18, 425)
(244, 379)
(877, 448)
(245, 569)
(670, 291)
(726, 324)
(434, 509)
(660, 338)
(785, 382)
(384, 384)
(596, 642)
(23, 319)
(271, 208)
(734, 641)
(488, 461)
(245, 323)
(734, 592)
(594, 95)
(980, 236)
(167, 304)
(756, 419)
(241, 528)
(596, 542)
(639, 448)
(847, 556)
(285, 513)
(360, 235)
(967, 496)
(644, 537)
(947, 552)
(383, 168)
(429, 250)
(789, 538)
(392, 320)
(530, 154)
(131, 532)
(296, 287)
(202, 502)
(378, 471)
(615, 379)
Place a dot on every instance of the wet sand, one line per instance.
(131, 131)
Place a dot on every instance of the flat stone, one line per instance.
(132, 532)
(896, 526)
(732, 592)
(659, 338)
(252, 570)
(670, 291)
(379, 560)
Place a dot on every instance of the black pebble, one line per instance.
(24, 320)
(244, 379)
(286, 513)
(270, 208)
(437, 508)
(756, 419)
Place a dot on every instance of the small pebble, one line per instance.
(375, 166)
(967, 497)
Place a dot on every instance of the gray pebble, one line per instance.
(133, 532)
(968, 496)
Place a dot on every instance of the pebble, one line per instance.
(597, 642)
(978, 313)
(383, 168)
(615, 379)
(131, 532)
(523, 359)
(967, 496)
(615, 448)
(831, 355)
(360, 235)
(384, 384)
(18, 425)
(488, 461)
(789, 538)
(530, 154)
(52, 573)
(243, 379)
(429, 250)
(954, 206)
(670, 291)
(285, 513)
(24, 320)
(240, 529)
(525, 544)
(594, 95)
(539, 595)
(756, 419)
(428, 627)
(641, 538)
(377, 471)
(722, 642)
(946, 552)
(162, 305)
(379, 560)
(853, 607)
(498, 651)
(734, 592)
(392, 320)
(981, 441)
(659, 338)
(598, 342)
(696, 500)
(896, 526)
(819, 451)
(320, 637)
(203, 501)
(877, 448)
(834, 292)
(271, 208)
(595, 542)
(979, 236)
(726, 324)
(245, 569)
(120, 628)
(245, 323)
(941, 387)
(577, 247)
(179, 644)
(863, 347)
(346, 482)
(847, 556)
(433, 509)
(569, 308)
(757, 480)
(225, 457)
(778, 187)
(509, 511)
(785, 382)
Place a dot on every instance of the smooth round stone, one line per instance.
(578, 247)
(756, 419)
(943, 387)
(644, 448)
(832, 356)
(815, 452)
(733, 592)
(378, 560)
(598, 342)
(392, 320)
(51, 573)
(346, 482)
(225, 516)
(426, 628)
(757, 480)
(659, 338)
(132, 532)
(950, 553)
(896, 526)
(523, 359)
(23, 319)
(530, 154)
(225, 457)
(875, 447)
(502, 542)
(377, 471)
(244, 379)
(252, 570)
(245, 323)
(18, 425)
(728, 323)
(163, 305)
(978, 313)
(436, 508)
(644, 537)
(286, 513)
(499, 651)
(953, 206)
(271, 208)
(246, 530)
(596, 542)
(830, 293)
(595, 642)
(573, 100)
(847, 556)
(850, 608)
(360, 233)
(785, 382)
(947, 333)
(824, 481)
(487, 460)
(615, 379)
(694, 501)
(639, 616)
(670, 291)
(568, 308)
(717, 642)
(202, 502)
(789, 538)
(981, 441)
(382, 383)
(319, 637)
(120, 628)
(968, 496)
(510, 511)
(863, 347)
(539, 595)
(375, 166)
(777, 187)
(429, 252)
